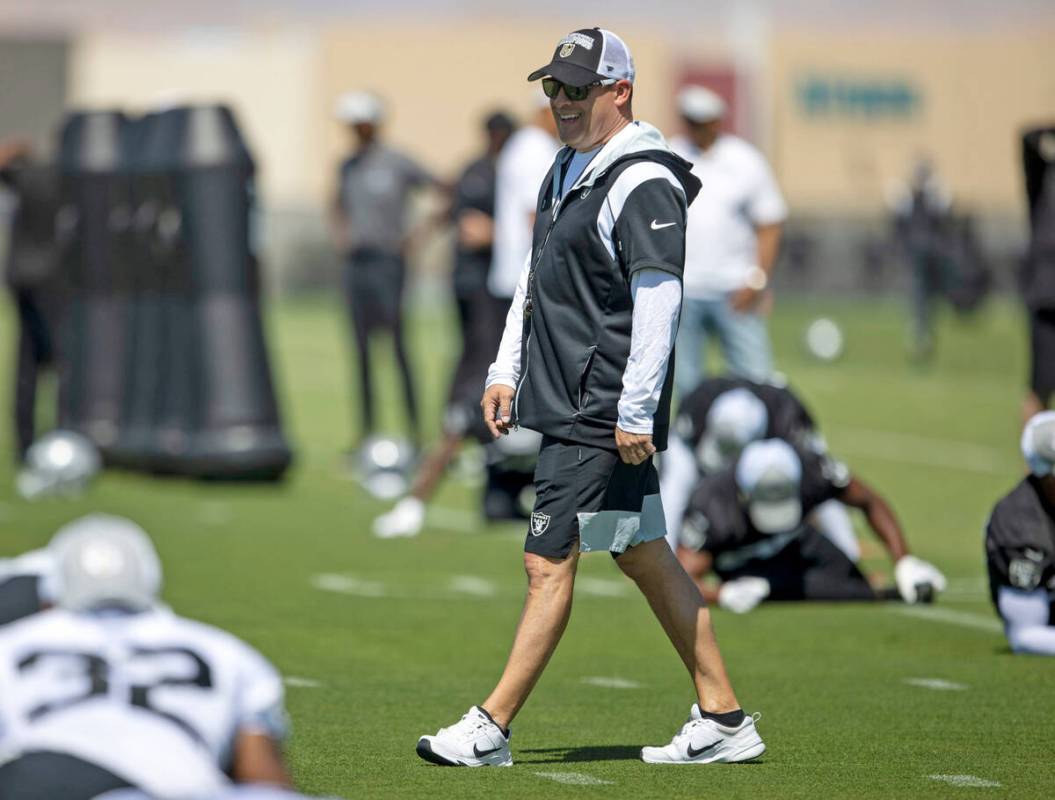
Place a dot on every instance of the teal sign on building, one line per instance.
(864, 98)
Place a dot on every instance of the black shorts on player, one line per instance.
(807, 567)
(1042, 348)
(577, 486)
(56, 776)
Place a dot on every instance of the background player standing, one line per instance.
(479, 313)
(731, 245)
(33, 277)
(372, 231)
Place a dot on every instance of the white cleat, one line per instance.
(474, 741)
(405, 519)
(704, 741)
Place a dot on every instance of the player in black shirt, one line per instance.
(747, 525)
(713, 425)
(479, 314)
(1020, 546)
(33, 276)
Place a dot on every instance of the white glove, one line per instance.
(911, 572)
(405, 519)
(743, 594)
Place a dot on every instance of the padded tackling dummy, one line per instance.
(94, 227)
(139, 443)
(214, 307)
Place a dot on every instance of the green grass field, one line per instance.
(412, 632)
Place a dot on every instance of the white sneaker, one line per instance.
(704, 741)
(405, 519)
(474, 741)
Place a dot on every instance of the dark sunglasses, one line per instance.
(551, 88)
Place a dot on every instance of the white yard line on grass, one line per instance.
(215, 513)
(574, 779)
(602, 587)
(966, 781)
(301, 683)
(453, 519)
(937, 684)
(611, 683)
(346, 584)
(965, 590)
(474, 585)
(927, 451)
(962, 618)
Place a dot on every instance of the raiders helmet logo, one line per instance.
(539, 523)
(1023, 573)
(566, 50)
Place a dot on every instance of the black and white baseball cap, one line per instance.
(586, 56)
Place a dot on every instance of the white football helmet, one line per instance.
(58, 463)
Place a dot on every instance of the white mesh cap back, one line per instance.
(616, 62)
(103, 561)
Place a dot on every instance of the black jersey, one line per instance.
(474, 191)
(788, 417)
(717, 520)
(1020, 541)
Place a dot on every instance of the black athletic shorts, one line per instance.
(55, 776)
(579, 487)
(1042, 346)
(373, 286)
(810, 567)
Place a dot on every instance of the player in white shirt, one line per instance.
(112, 690)
(521, 166)
(731, 246)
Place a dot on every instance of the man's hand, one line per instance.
(743, 594)
(496, 404)
(913, 576)
(746, 299)
(475, 229)
(634, 448)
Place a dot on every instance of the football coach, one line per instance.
(585, 360)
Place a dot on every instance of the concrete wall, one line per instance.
(842, 112)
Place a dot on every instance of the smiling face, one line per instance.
(588, 123)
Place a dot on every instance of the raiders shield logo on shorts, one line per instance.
(539, 523)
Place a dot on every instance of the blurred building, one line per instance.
(842, 98)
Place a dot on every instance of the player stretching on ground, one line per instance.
(747, 524)
(1020, 546)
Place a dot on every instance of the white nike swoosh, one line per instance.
(656, 226)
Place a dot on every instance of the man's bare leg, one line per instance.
(681, 610)
(434, 466)
(551, 583)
